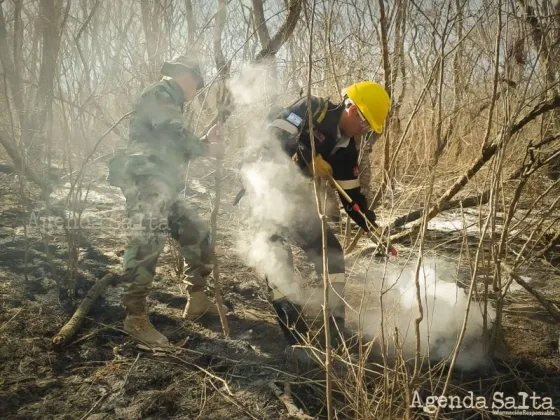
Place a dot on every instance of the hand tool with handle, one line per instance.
(373, 228)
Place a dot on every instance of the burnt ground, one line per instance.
(103, 374)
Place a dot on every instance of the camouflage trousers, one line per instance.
(154, 212)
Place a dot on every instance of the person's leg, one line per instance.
(309, 237)
(284, 291)
(192, 233)
(147, 204)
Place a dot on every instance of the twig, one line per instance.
(543, 300)
(322, 218)
(225, 100)
(112, 391)
(286, 399)
(95, 405)
(551, 244)
(10, 320)
(80, 174)
(205, 371)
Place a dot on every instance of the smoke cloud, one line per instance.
(444, 305)
(278, 195)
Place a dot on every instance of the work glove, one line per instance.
(322, 167)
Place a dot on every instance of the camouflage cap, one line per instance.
(182, 64)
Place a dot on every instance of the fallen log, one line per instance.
(488, 151)
(472, 201)
(549, 306)
(71, 327)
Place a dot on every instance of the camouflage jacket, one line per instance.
(159, 143)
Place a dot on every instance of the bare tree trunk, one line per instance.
(399, 66)
(21, 167)
(51, 29)
(52, 24)
(260, 23)
(441, 143)
(387, 178)
(284, 32)
(151, 23)
(191, 22)
(12, 67)
(458, 82)
(549, 64)
(264, 38)
(540, 43)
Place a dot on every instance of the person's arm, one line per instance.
(346, 174)
(288, 126)
(359, 199)
(166, 120)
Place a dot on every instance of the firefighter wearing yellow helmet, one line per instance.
(335, 132)
(372, 102)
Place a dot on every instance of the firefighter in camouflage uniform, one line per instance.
(150, 174)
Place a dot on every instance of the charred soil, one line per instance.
(103, 374)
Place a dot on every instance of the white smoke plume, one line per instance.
(278, 191)
(444, 305)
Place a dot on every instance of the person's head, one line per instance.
(186, 72)
(366, 105)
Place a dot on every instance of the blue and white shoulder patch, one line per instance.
(294, 119)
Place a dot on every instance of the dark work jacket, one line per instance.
(291, 127)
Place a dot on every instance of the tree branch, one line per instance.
(284, 32)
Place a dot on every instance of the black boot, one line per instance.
(289, 316)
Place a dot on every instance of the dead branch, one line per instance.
(21, 167)
(476, 200)
(387, 178)
(551, 244)
(286, 399)
(486, 154)
(284, 32)
(223, 71)
(550, 307)
(10, 320)
(71, 327)
(472, 201)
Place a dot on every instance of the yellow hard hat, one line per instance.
(372, 100)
